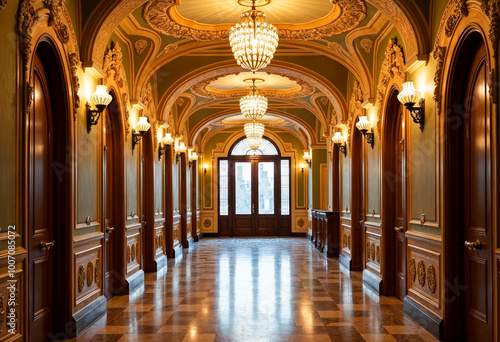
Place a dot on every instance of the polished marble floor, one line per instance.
(255, 289)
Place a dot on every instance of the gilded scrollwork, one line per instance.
(56, 8)
(366, 44)
(421, 273)
(413, 270)
(137, 253)
(74, 62)
(159, 14)
(452, 21)
(438, 54)
(127, 114)
(97, 275)
(355, 108)
(112, 66)
(90, 273)
(377, 254)
(140, 45)
(393, 67)
(431, 278)
(81, 278)
(3, 4)
(128, 254)
(26, 20)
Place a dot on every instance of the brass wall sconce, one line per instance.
(302, 167)
(364, 125)
(409, 96)
(100, 99)
(192, 158)
(180, 149)
(339, 141)
(167, 140)
(141, 127)
(307, 158)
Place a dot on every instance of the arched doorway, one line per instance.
(468, 194)
(393, 199)
(254, 191)
(49, 198)
(114, 207)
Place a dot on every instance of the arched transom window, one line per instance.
(243, 149)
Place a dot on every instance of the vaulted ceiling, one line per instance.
(181, 48)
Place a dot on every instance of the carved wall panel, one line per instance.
(423, 269)
(372, 253)
(133, 245)
(87, 258)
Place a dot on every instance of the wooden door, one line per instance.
(109, 204)
(40, 208)
(477, 205)
(254, 196)
(399, 211)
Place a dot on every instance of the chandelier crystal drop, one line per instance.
(254, 132)
(253, 40)
(253, 106)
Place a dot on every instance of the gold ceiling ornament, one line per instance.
(253, 40)
(253, 106)
(254, 132)
(162, 15)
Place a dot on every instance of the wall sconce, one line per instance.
(192, 158)
(205, 167)
(180, 149)
(409, 96)
(100, 99)
(307, 158)
(141, 127)
(364, 125)
(167, 140)
(302, 167)
(339, 141)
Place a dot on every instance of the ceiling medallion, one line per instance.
(253, 106)
(253, 40)
(163, 16)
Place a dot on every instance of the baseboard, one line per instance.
(200, 236)
(345, 261)
(210, 234)
(331, 251)
(135, 281)
(298, 234)
(160, 263)
(190, 243)
(89, 314)
(423, 316)
(178, 251)
(372, 281)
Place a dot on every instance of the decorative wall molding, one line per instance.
(438, 54)
(125, 100)
(355, 108)
(493, 86)
(97, 275)
(56, 8)
(413, 270)
(161, 15)
(26, 20)
(3, 4)
(140, 45)
(492, 9)
(393, 67)
(112, 66)
(366, 44)
(459, 12)
(421, 273)
(431, 278)
(74, 63)
(81, 278)
(90, 273)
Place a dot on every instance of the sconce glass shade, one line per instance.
(254, 143)
(101, 98)
(167, 139)
(142, 126)
(307, 156)
(181, 148)
(254, 130)
(409, 95)
(193, 156)
(363, 124)
(253, 106)
(338, 139)
(253, 40)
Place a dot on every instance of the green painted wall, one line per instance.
(318, 158)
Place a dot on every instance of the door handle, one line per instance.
(398, 229)
(110, 229)
(253, 208)
(143, 224)
(45, 246)
(473, 245)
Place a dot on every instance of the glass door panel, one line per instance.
(243, 188)
(266, 188)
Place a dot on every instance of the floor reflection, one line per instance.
(262, 289)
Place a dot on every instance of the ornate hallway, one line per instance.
(262, 289)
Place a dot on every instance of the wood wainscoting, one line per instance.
(372, 275)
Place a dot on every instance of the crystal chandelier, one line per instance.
(253, 41)
(253, 106)
(254, 132)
